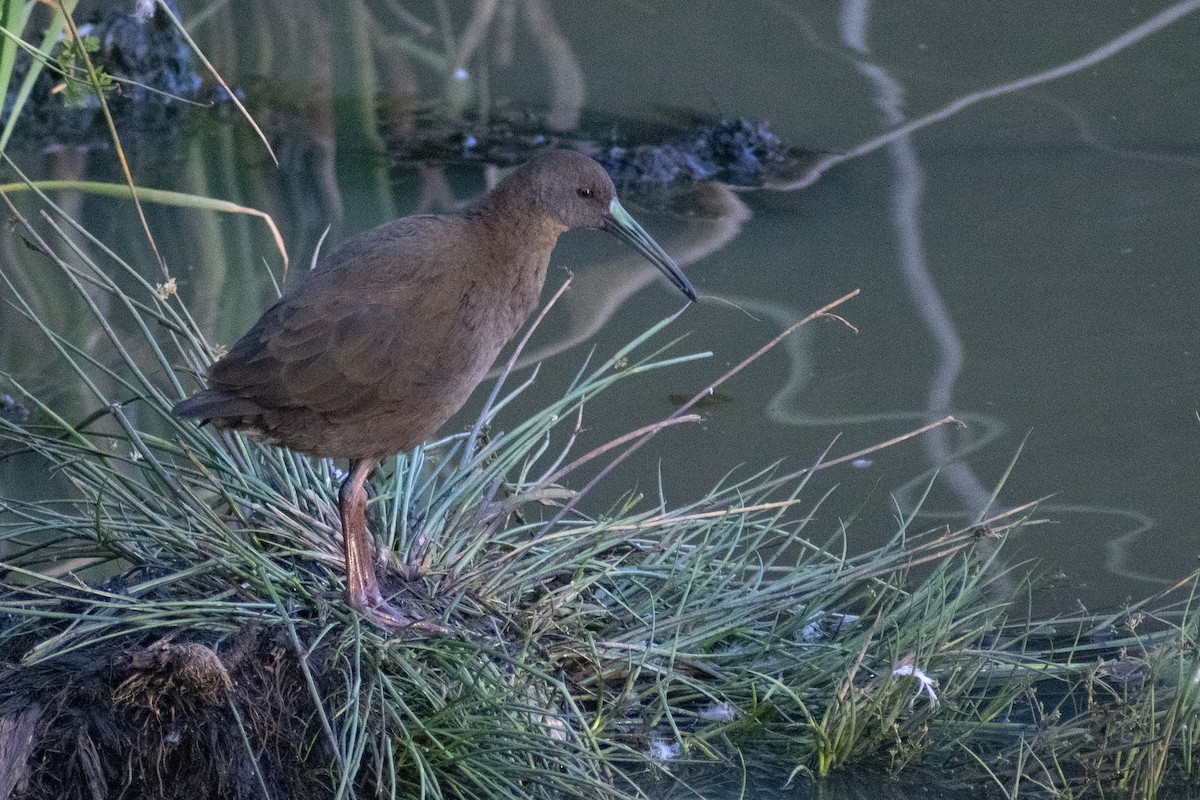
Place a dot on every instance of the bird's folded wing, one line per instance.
(331, 357)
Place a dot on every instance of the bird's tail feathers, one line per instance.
(213, 404)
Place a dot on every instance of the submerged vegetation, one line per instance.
(173, 622)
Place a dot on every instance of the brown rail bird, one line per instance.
(386, 339)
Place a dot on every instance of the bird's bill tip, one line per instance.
(619, 222)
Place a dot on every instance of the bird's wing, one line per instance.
(331, 355)
(358, 331)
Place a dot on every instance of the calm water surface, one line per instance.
(1028, 265)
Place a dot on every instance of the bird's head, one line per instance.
(576, 192)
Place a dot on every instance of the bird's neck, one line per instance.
(521, 241)
(518, 234)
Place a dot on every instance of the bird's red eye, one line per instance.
(585, 193)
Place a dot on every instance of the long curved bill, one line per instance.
(618, 222)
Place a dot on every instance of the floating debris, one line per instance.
(719, 712)
(925, 683)
(664, 749)
(12, 411)
(655, 160)
(823, 626)
(737, 151)
(166, 291)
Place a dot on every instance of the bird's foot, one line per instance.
(387, 616)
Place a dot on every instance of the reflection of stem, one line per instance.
(477, 28)
(1090, 138)
(503, 37)
(705, 392)
(907, 187)
(599, 291)
(789, 406)
(410, 19)
(1119, 553)
(906, 197)
(355, 124)
(568, 89)
(1151, 26)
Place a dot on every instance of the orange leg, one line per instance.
(362, 586)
